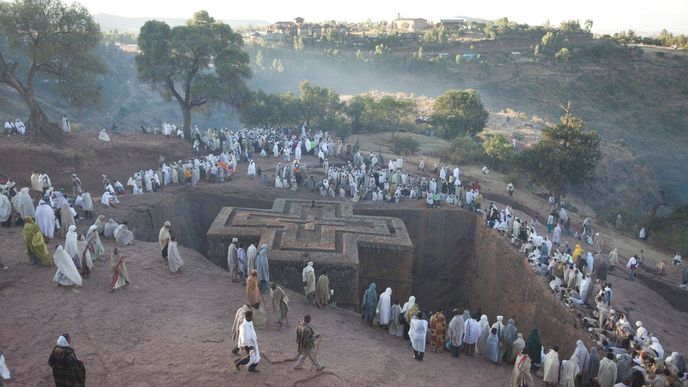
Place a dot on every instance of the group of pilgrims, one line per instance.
(49, 215)
(621, 356)
(578, 277)
(251, 266)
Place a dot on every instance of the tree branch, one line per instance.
(173, 90)
(9, 77)
(198, 102)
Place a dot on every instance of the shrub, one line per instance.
(405, 145)
(466, 149)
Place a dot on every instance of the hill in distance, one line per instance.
(133, 24)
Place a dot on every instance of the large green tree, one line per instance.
(199, 63)
(263, 110)
(565, 157)
(497, 149)
(459, 112)
(320, 106)
(386, 114)
(47, 39)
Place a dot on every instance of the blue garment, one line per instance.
(492, 348)
(262, 266)
(369, 303)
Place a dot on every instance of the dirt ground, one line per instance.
(169, 330)
(87, 156)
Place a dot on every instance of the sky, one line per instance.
(607, 15)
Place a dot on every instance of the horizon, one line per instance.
(608, 17)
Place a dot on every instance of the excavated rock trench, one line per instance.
(457, 261)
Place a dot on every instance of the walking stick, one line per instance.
(248, 355)
(317, 348)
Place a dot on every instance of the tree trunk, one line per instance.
(38, 121)
(186, 111)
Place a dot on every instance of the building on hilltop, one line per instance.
(298, 27)
(285, 28)
(410, 24)
(453, 24)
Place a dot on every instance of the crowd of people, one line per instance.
(631, 353)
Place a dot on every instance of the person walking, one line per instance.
(68, 371)
(248, 343)
(306, 338)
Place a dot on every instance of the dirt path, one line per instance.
(166, 330)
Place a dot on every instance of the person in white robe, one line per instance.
(120, 275)
(45, 217)
(569, 370)
(642, 235)
(94, 245)
(103, 136)
(123, 235)
(5, 208)
(67, 274)
(232, 262)
(65, 124)
(641, 334)
(556, 235)
(109, 228)
(84, 256)
(19, 125)
(251, 172)
(417, 334)
(308, 278)
(100, 223)
(583, 356)
(25, 204)
(395, 328)
(472, 333)
(606, 376)
(517, 346)
(66, 218)
(248, 343)
(4, 371)
(70, 244)
(485, 332)
(251, 254)
(657, 347)
(551, 367)
(36, 183)
(455, 333)
(384, 307)
(108, 199)
(174, 259)
(87, 205)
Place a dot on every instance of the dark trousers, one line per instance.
(406, 329)
(418, 355)
(455, 351)
(244, 360)
(164, 252)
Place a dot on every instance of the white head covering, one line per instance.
(62, 342)
(411, 301)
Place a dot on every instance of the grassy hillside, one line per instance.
(634, 99)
